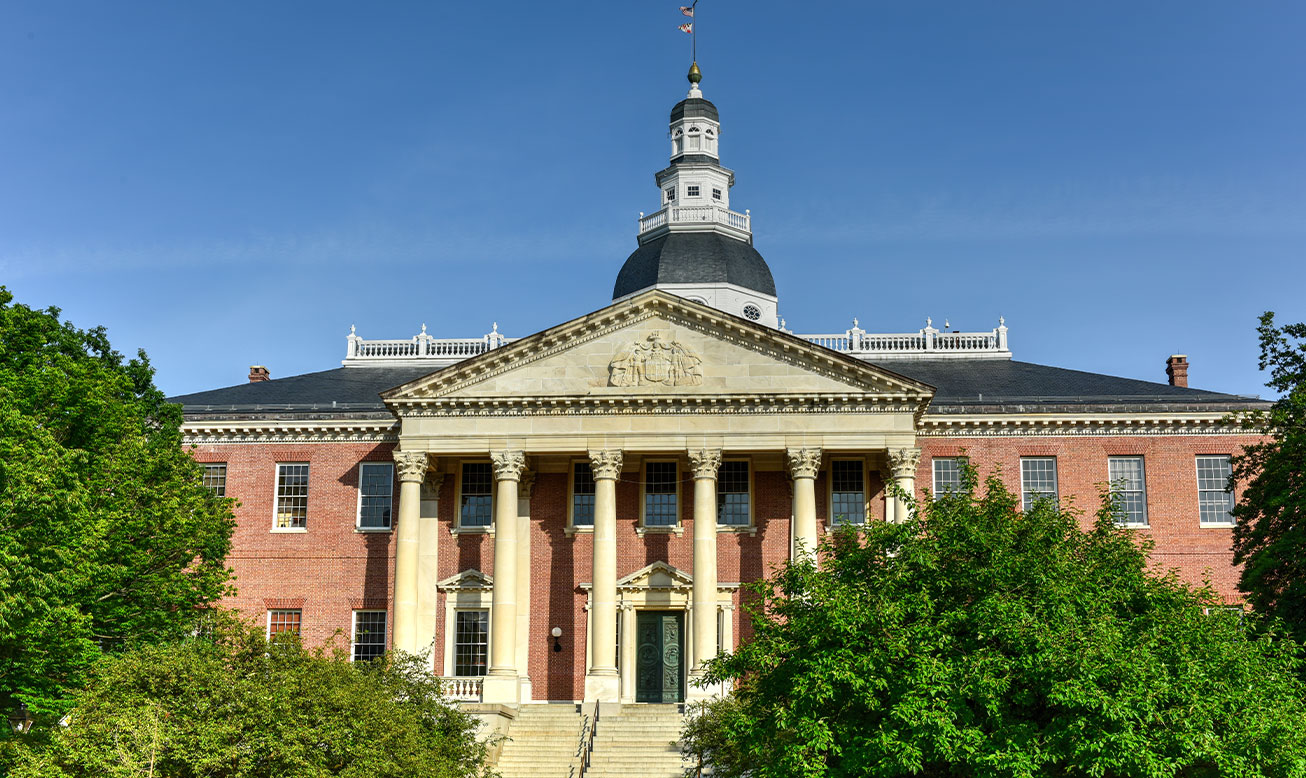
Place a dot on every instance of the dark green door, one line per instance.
(660, 672)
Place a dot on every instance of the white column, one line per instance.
(429, 613)
(601, 682)
(412, 470)
(804, 463)
(705, 463)
(903, 462)
(501, 681)
(525, 486)
(628, 641)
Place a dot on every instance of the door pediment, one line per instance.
(657, 345)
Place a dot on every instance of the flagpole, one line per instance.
(693, 38)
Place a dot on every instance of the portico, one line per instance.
(651, 385)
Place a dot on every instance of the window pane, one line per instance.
(376, 487)
(1129, 487)
(215, 478)
(283, 621)
(471, 642)
(1038, 478)
(732, 494)
(582, 496)
(292, 495)
(477, 488)
(369, 635)
(947, 475)
(660, 494)
(1214, 500)
(848, 492)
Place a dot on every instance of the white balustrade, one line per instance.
(462, 689)
(695, 214)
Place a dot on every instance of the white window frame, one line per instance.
(958, 461)
(716, 194)
(677, 526)
(276, 496)
(693, 190)
(1230, 496)
(353, 632)
(670, 194)
(464, 592)
(268, 625)
(358, 515)
(572, 526)
(1112, 482)
(752, 498)
(1025, 503)
(458, 499)
(452, 667)
(210, 467)
(866, 498)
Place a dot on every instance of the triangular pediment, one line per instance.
(467, 579)
(656, 344)
(659, 575)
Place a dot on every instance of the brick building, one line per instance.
(568, 516)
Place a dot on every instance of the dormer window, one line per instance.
(691, 190)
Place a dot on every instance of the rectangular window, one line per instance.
(1128, 489)
(375, 494)
(660, 482)
(947, 475)
(716, 193)
(284, 621)
(732, 494)
(369, 635)
(1214, 498)
(1038, 479)
(477, 491)
(671, 195)
(215, 478)
(691, 190)
(292, 496)
(471, 642)
(847, 492)
(582, 495)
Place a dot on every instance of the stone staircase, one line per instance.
(639, 740)
(544, 741)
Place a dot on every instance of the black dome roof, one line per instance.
(694, 108)
(694, 258)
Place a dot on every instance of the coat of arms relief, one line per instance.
(656, 361)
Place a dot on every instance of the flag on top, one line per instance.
(687, 27)
(687, 10)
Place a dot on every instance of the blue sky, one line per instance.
(227, 184)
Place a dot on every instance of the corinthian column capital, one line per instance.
(508, 465)
(903, 461)
(803, 462)
(605, 463)
(412, 466)
(705, 462)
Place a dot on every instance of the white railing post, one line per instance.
(351, 350)
(929, 334)
(1001, 332)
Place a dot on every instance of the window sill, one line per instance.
(1133, 525)
(289, 530)
(737, 529)
(472, 530)
(1210, 525)
(372, 530)
(677, 530)
(570, 531)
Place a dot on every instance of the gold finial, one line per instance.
(695, 75)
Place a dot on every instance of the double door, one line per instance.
(659, 652)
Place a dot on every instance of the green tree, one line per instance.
(1270, 536)
(232, 704)
(107, 536)
(977, 640)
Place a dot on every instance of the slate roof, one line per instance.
(694, 107)
(962, 386)
(694, 258)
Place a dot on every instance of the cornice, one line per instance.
(1076, 425)
(348, 431)
(639, 404)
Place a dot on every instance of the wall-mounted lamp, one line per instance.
(557, 633)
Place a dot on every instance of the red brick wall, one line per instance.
(332, 569)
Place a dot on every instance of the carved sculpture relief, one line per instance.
(903, 461)
(412, 465)
(605, 463)
(656, 361)
(803, 462)
(508, 465)
(705, 462)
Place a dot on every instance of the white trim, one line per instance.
(1146, 522)
(829, 490)
(358, 513)
(456, 526)
(678, 526)
(353, 629)
(1056, 479)
(276, 494)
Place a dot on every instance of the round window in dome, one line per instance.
(752, 312)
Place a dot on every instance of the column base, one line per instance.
(524, 689)
(503, 689)
(696, 693)
(602, 687)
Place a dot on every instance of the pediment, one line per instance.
(467, 579)
(658, 575)
(657, 345)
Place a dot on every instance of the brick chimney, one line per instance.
(1176, 368)
(258, 373)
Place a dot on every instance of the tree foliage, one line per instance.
(1270, 536)
(232, 704)
(107, 536)
(977, 640)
